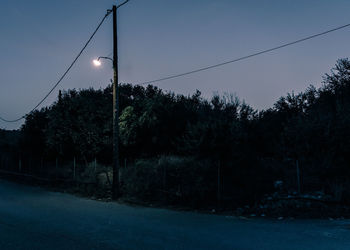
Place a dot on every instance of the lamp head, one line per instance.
(97, 62)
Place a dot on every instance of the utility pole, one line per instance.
(115, 185)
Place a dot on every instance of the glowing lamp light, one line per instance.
(97, 62)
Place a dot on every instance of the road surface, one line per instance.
(33, 218)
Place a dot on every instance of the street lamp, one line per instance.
(97, 63)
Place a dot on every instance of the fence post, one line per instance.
(298, 175)
(56, 167)
(29, 168)
(6, 161)
(74, 167)
(95, 164)
(20, 164)
(219, 185)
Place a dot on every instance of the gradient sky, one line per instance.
(40, 38)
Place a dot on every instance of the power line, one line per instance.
(244, 57)
(64, 74)
(177, 75)
(120, 5)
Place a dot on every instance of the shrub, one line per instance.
(171, 179)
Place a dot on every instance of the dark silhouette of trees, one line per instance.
(196, 138)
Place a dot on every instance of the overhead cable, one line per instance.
(64, 74)
(244, 57)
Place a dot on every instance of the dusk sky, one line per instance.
(157, 38)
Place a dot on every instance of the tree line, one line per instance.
(193, 150)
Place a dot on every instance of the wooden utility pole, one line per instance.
(115, 185)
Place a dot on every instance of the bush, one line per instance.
(171, 179)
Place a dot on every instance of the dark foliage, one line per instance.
(186, 149)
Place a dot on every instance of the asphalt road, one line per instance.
(33, 218)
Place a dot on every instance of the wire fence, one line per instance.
(88, 177)
(170, 179)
